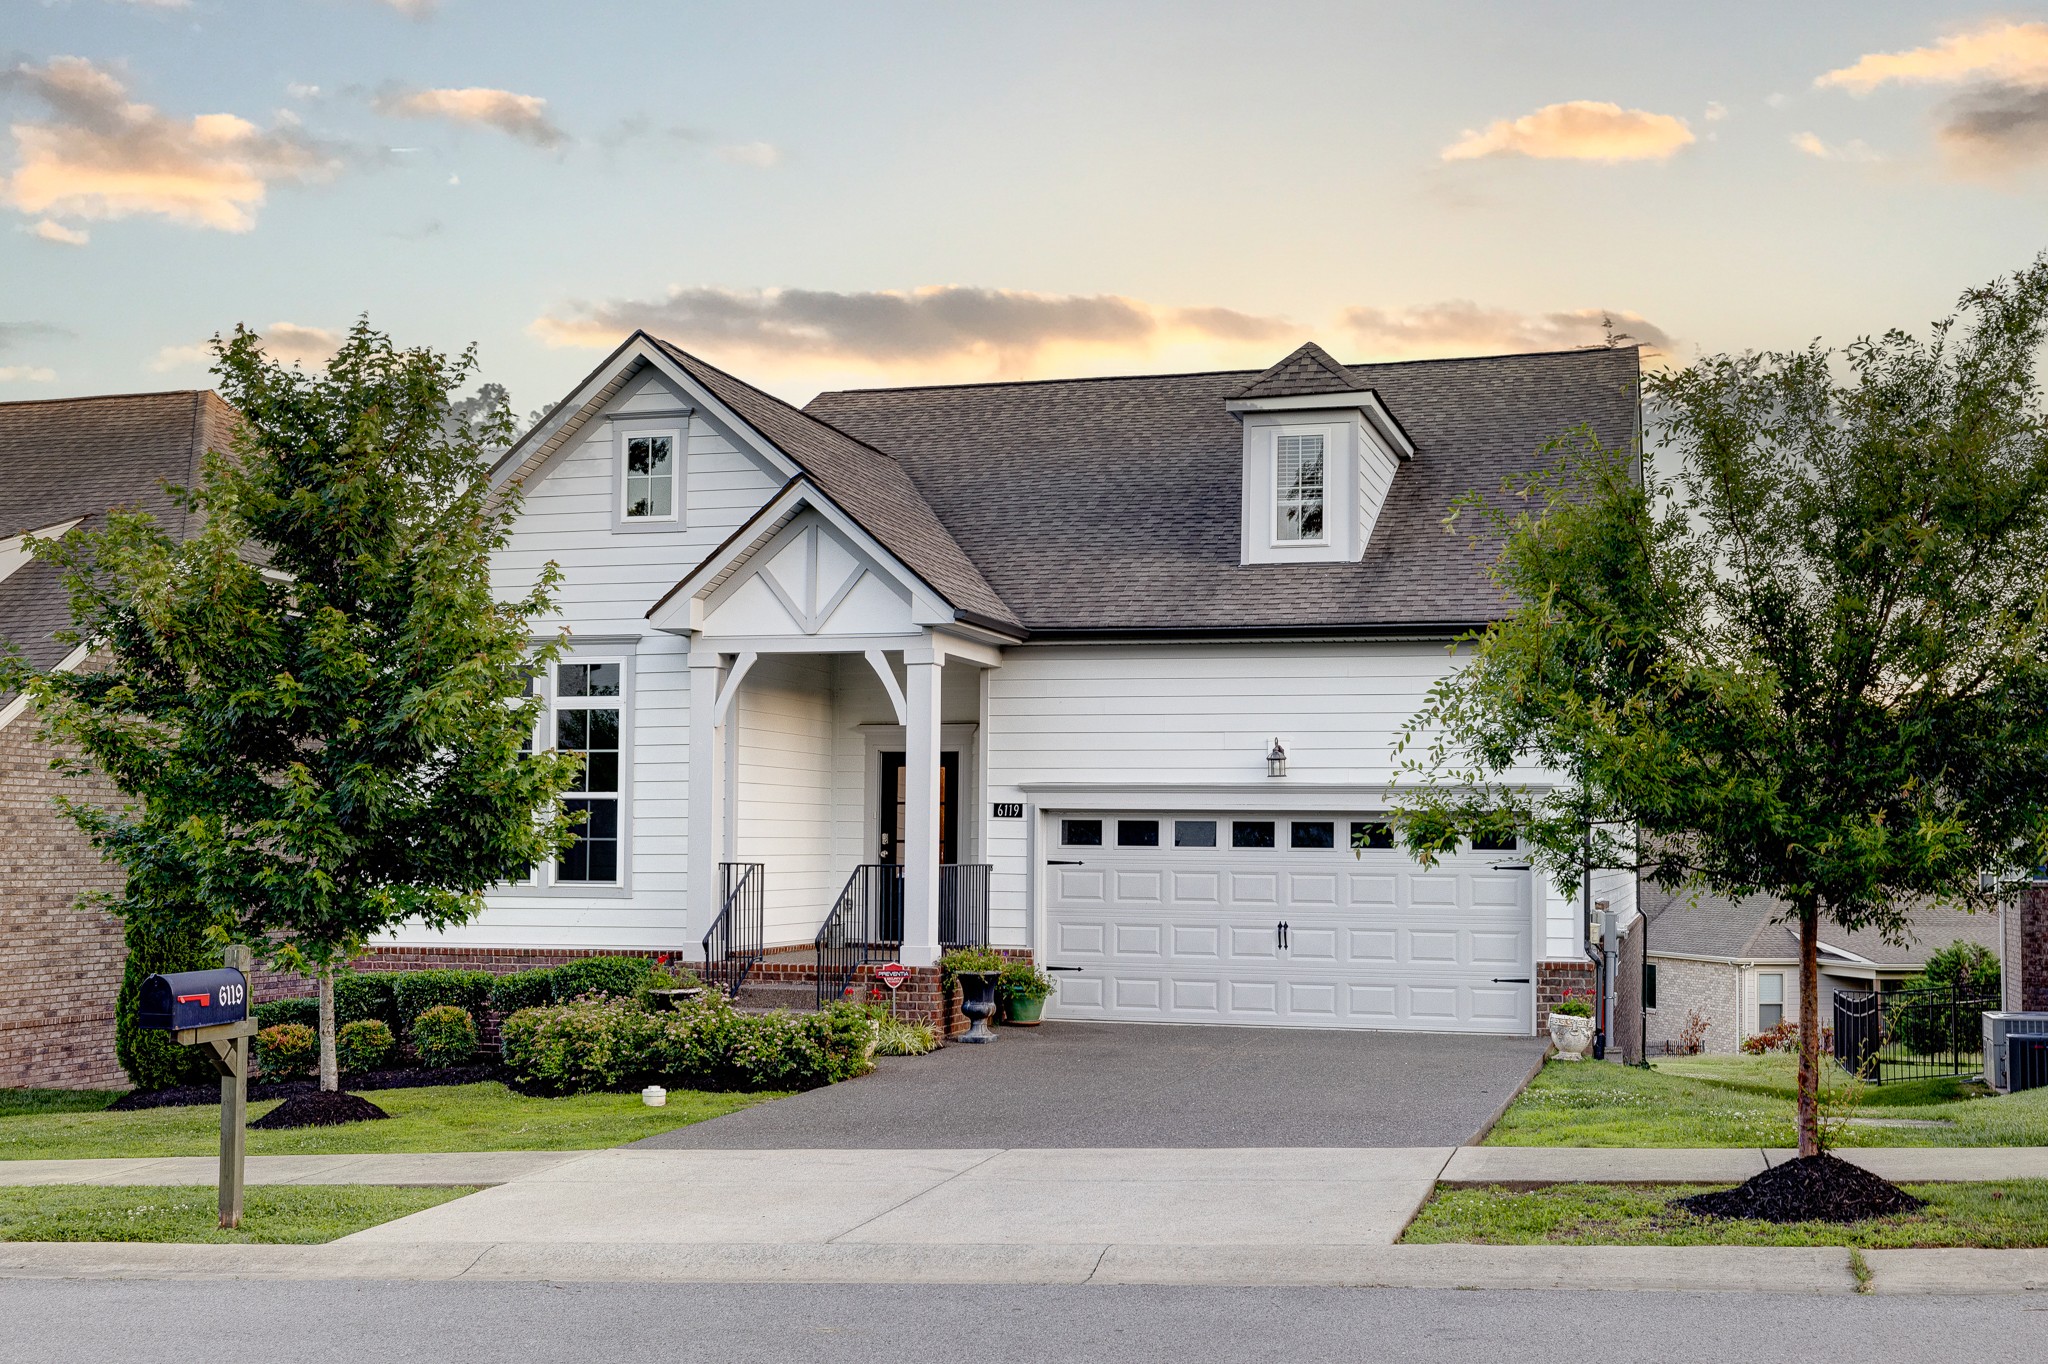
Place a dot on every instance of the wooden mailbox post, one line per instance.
(211, 1009)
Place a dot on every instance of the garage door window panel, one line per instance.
(1251, 833)
(1081, 833)
(1313, 834)
(1194, 833)
(1137, 833)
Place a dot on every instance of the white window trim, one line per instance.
(1274, 539)
(545, 882)
(677, 429)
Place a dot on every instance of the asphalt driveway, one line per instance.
(1134, 1085)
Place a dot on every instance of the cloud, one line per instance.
(521, 116)
(100, 156)
(1460, 327)
(285, 342)
(1578, 130)
(159, 4)
(50, 230)
(1996, 128)
(1715, 111)
(2009, 52)
(1855, 149)
(762, 154)
(14, 333)
(932, 331)
(26, 374)
(411, 9)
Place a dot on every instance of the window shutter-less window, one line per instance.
(1298, 488)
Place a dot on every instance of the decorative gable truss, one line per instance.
(800, 570)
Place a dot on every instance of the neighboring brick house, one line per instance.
(66, 463)
(1735, 965)
(2026, 949)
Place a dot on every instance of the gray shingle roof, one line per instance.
(867, 484)
(68, 458)
(1310, 369)
(1111, 505)
(1752, 930)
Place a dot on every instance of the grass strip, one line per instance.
(2001, 1215)
(479, 1117)
(272, 1214)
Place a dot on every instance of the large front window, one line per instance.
(588, 702)
(1298, 488)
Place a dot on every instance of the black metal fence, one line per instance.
(734, 943)
(963, 905)
(1884, 1035)
(865, 925)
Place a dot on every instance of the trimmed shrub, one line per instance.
(523, 990)
(288, 1050)
(593, 1044)
(415, 992)
(444, 1035)
(605, 976)
(364, 1044)
(298, 1009)
(359, 995)
(152, 1059)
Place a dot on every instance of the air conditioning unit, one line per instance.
(1997, 1028)
(2026, 1061)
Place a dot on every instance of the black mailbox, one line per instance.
(194, 999)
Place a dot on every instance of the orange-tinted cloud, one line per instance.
(2015, 53)
(1459, 327)
(99, 155)
(286, 342)
(522, 116)
(1578, 130)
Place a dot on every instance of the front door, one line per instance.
(894, 809)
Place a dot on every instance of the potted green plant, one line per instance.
(1024, 988)
(1571, 1025)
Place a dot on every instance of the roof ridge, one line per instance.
(106, 397)
(677, 351)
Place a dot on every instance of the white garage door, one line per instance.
(1263, 919)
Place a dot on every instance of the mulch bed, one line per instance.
(261, 1091)
(1809, 1189)
(319, 1110)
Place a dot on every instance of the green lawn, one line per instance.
(480, 1117)
(2003, 1215)
(1747, 1101)
(298, 1213)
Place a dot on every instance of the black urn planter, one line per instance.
(977, 1001)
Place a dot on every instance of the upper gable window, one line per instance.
(650, 482)
(1298, 489)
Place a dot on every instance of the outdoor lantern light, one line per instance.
(1276, 761)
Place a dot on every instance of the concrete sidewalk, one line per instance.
(447, 1168)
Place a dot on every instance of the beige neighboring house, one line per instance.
(1736, 964)
(66, 463)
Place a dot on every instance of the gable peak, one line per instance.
(1307, 369)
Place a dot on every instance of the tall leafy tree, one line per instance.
(1799, 655)
(317, 703)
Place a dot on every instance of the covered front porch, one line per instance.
(836, 762)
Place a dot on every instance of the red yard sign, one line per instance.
(893, 974)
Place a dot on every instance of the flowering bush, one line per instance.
(444, 1035)
(1784, 1037)
(596, 1044)
(286, 1050)
(363, 1044)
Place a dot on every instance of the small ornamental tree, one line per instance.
(1808, 662)
(317, 703)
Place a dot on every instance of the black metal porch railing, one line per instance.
(963, 905)
(865, 925)
(1910, 1034)
(734, 943)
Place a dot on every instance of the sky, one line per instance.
(842, 194)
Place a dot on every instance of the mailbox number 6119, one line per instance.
(230, 994)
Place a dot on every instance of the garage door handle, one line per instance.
(1064, 862)
(1510, 980)
(1062, 968)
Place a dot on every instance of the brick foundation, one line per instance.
(1553, 979)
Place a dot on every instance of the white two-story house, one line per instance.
(1110, 670)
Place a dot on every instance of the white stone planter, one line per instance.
(1574, 1036)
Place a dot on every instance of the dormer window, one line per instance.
(650, 483)
(1298, 489)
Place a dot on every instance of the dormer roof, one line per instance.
(1307, 369)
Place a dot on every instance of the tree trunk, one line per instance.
(330, 1064)
(1809, 1030)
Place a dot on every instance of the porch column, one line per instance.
(706, 764)
(921, 814)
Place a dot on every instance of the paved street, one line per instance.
(1135, 1085)
(329, 1323)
